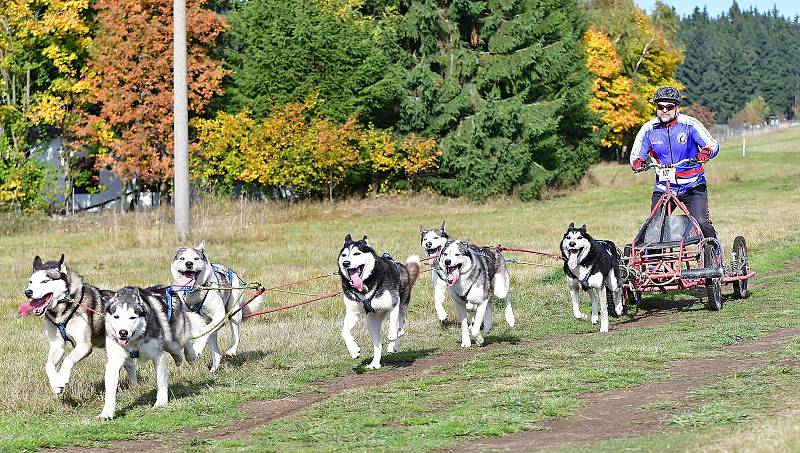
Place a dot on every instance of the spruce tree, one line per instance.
(504, 86)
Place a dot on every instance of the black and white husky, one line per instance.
(374, 286)
(191, 268)
(472, 274)
(592, 266)
(73, 313)
(141, 324)
(431, 241)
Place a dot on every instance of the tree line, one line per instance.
(326, 98)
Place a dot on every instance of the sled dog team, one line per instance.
(180, 319)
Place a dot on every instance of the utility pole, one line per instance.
(181, 118)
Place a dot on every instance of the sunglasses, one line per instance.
(666, 107)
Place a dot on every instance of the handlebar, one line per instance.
(654, 164)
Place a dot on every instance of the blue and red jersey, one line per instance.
(667, 143)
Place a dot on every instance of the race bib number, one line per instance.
(666, 174)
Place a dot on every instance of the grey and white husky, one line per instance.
(374, 286)
(592, 266)
(142, 324)
(73, 313)
(191, 268)
(431, 241)
(472, 274)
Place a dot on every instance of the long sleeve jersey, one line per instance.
(672, 142)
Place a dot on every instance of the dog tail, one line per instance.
(412, 266)
(197, 325)
(253, 306)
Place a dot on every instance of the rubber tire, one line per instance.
(714, 294)
(740, 286)
(612, 311)
(713, 285)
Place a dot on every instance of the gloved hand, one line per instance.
(638, 165)
(704, 155)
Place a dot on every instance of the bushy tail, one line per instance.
(412, 265)
(253, 306)
(197, 324)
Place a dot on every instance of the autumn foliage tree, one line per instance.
(296, 150)
(613, 94)
(130, 120)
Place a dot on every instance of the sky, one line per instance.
(786, 8)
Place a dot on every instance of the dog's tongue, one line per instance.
(453, 276)
(355, 278)
(573, 260)
(25, 309)
(184, 281)
(122, 342)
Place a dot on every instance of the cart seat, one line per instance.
(667, 231)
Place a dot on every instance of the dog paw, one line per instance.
(374, 366)
(465, 344)
(479, 340)
(213, 369)
(57, 389)
(230, 352)
(106, 416)
(594, 320)
(159, 404)
(355, 354)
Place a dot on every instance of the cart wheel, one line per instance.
(630, 297)
(612, 309)
(742, 267)
(711, 259)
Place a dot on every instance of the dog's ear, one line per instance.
(61, 266)
(571, 225)
(37, 263)
(421, 229)
(441, 228)
(583, 228)
(201, 246)
(366, 241)
(348, 239)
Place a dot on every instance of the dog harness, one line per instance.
(585, 281)
(62, 326)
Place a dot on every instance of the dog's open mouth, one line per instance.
(122, 341)
(37, 306)
(572, 260)
(453, 274)
(354, 275)
(434, 252)
(188, 278)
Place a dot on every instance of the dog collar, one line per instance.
(134, 354)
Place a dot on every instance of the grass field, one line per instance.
(530, 374)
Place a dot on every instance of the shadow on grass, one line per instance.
(241, 358)
(653, 307)
(398, 360)
(176, 391)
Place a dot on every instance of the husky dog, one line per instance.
(143, 324)
(374, 286)
(190, 269)
(432, 242)
(591, 265)
(472, 274)
(73, 313)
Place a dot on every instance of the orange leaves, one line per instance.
(131, 74)
(614, 98)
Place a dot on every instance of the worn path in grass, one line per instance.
(594, 423)
(617, 414)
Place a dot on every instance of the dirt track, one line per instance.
(606, 415)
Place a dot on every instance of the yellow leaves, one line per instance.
(47, 109)
(614, 98)
(293, 148)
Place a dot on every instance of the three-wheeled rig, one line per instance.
(670, 252)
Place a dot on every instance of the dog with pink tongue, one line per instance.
(374, 286)
(593, 266)
(73, 318)
(472, 275)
